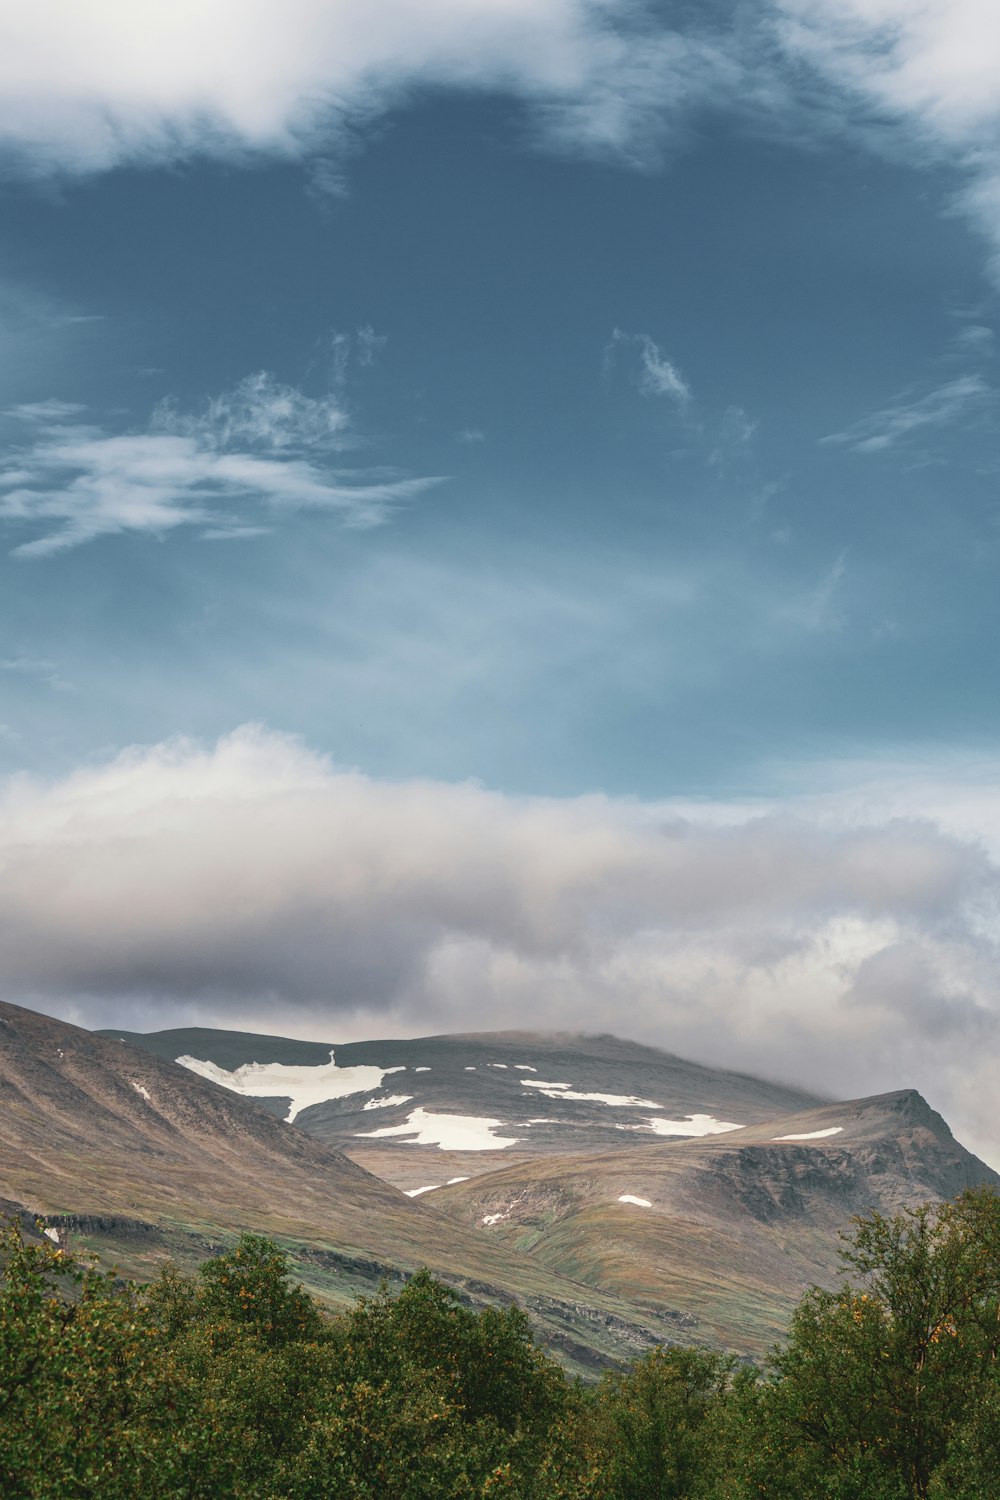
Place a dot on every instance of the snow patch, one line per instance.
(631, 1198)
(449, 1132)
(140, 1090)
(415, 1192)
(497, 1065)
(566, 1091)
(811, 1135)
(494, 1218)
(526, 1068)
(690, 1125)
(421, 1070)
(471, 1068)
(452, 1180)
(53, 1234)
(388, 1100)
(302, 1084)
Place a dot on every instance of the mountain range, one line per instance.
(622, 1195)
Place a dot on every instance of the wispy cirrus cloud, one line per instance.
(957, 402)
(653, 372)
(261, 449)
(40, 669)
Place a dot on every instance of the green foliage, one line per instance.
(653, 1423)
(249, 1287)
(877, 1380)
(232, 1383)
(432, 1399)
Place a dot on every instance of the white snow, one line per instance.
(631, 1198)
(471, 1068)
(497, 1065)
(415, 1192)
(493, 1218)
(450, 1132)
(53, 1234)
(526, 1067)
(690, 1125)
(389, 1099)
(302, 1083)
(811, 1135)
(566, 1091)
(452, 1180)
(140, 1090)
(421, 1070)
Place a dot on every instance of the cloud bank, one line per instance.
(253, 882)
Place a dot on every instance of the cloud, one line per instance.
(956, 402)
(254, 882)
(656, 375)
(86, 89)
(262, 444)
(924, 72)
(44, 671)
(262, 413)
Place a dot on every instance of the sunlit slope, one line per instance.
(128, 1150)
(727, 1230)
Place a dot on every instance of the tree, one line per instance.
(878, 1377)
(652, 1422)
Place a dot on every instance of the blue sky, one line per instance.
(593, 401)
(607, 579)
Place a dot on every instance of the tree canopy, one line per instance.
(234, 1383)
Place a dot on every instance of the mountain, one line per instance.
(420, 1111)
(731, 1229)
(707, 1198)
(131, 1154)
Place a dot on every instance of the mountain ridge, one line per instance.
(603, 1184)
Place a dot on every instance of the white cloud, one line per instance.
(656, 375)
(926, 67)
(262, 413)
(88, 88)
(84, 88)
(254, 882)
(955, 402)
(261, 445)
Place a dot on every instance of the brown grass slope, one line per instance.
(739, 1224)
(144, 1158)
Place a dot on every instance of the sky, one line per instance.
(498, 525)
